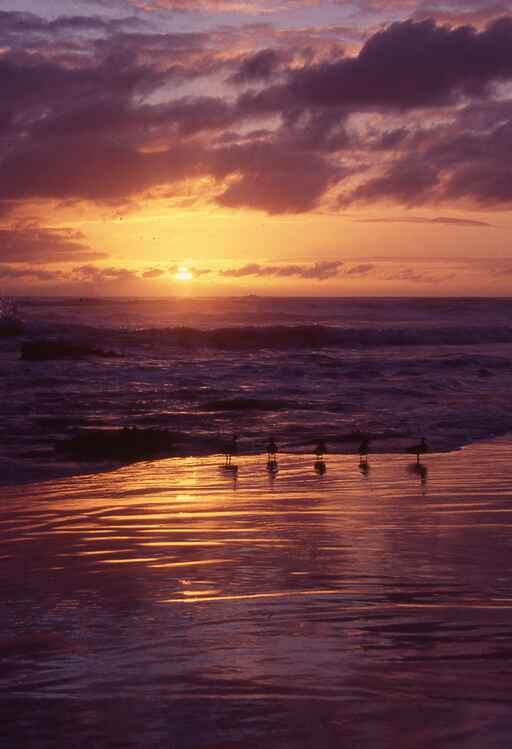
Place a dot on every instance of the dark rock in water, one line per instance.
(10, 324)
(247, 404)
(46, 350)
(10, 328)
(57, 424)
(118, 444)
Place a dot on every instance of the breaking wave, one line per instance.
(318, 336)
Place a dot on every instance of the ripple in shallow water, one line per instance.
(309, 609)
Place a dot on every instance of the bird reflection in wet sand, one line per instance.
(272, 465)
(230, 450)
(364, 449)
(230, 468)
(364, 467)
(272, 468)
(419, 470)
(320, 451)
(230, 471)
(320, 467)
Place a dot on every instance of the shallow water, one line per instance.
(167, 605)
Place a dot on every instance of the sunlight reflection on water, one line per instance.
(334, 602)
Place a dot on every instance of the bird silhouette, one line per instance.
(419, 449)
(230, 450)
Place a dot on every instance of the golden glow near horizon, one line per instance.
(150, 252)
(183, 274)
(208, 180)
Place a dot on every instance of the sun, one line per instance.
(183, 274)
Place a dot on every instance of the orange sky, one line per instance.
(353, 148)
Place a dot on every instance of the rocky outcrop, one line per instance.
(47, 350)
(10, 324)
(125, 445)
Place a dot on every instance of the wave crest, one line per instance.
(318, 336)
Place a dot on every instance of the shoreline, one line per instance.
(19, 473)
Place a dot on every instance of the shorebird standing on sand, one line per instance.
(230, 450)
(320, 449)
(364, 449)
(271, 449)
(420, 449)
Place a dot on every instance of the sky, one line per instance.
(274, 147)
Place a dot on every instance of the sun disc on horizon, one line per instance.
(183, 274)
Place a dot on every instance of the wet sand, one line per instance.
(166, 604)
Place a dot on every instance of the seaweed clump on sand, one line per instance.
(46, 350)
(128, 444)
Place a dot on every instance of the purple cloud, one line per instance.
(34, 244)
(17, 273)
(445, 220)
(260, 66)
(108, 116)
(319, 271)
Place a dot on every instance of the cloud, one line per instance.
(273, 176)
(477, 13)
(153, 273)
(23, 29)
(245, 7)
(445, 220)
(96, 275)
(363, 269)
(463, 161)
(17, 273)
(319, 271)
(411, 275)
(33, 244)
(442, 65)
(260, 66)
(251, 269)
(94, 112)
(408, 181)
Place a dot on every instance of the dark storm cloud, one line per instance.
(32, 244)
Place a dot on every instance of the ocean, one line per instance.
(297, 369)
(177, 603)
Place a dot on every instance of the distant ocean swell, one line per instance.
(317, 336)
